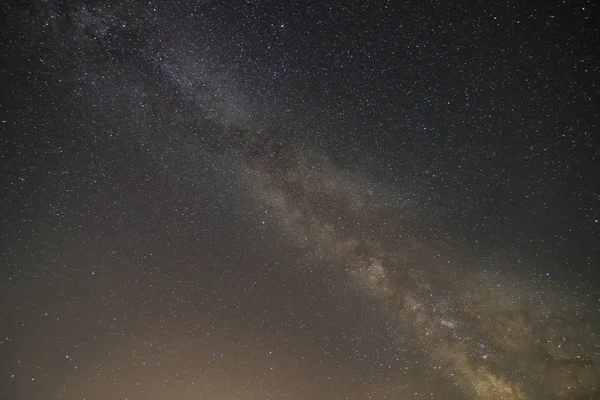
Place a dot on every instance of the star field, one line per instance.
(299, 200)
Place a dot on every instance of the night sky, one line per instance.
(212, 200)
